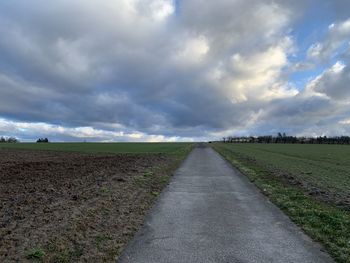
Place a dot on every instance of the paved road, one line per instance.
(212, 213)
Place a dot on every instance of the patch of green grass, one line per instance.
(155, 193)
(323, 222)
(105, 189)
(326, 167)
(133, 148)
(148, 174)
(146, 178)
(36, 254)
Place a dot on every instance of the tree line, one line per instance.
(15, 140)
(42, 140)
(8, 139)
(283, 138)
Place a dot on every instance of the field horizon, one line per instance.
(101, 147)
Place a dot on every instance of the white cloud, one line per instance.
(315, 50)
(332, 83)
(338, 35)
(162, 8)
(345, 122)
(36, 130)
(258, 76)
(192, 50)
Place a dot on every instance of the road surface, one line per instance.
(212, 213)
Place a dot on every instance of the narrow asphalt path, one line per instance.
(212, 213)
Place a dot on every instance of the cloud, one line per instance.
(333, 83)
(258, 75)
(335, 43)
(160, 69)
(36, 130)
(193, 50)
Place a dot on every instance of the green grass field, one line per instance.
(322, 167)
(168, 148)
(326, 167)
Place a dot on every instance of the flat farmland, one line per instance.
(127, 147)
(63, 202)
(310, 183)
(323, 169)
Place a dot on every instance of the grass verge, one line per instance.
(160, 175)
(323, 222)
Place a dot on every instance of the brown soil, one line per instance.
(74, 207)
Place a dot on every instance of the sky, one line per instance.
(173, 70)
